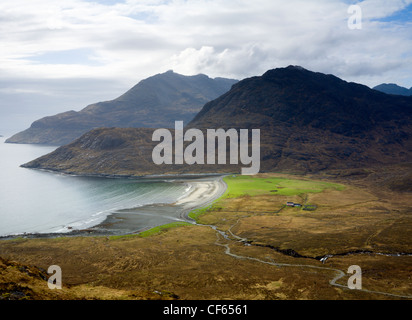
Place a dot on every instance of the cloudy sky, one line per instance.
(62, 55)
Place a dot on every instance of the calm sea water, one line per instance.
(33, 201)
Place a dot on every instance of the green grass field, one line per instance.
(250, 185)
(238, 185)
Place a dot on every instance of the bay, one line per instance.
(33, 201)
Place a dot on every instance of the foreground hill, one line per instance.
(155, 102)
(308, 122)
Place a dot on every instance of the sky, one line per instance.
(62, 55)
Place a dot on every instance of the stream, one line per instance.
(339, 274)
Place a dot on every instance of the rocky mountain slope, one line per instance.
(308, 121)
(312, 121)
(155, 102)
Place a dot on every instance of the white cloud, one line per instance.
(194, 36)
(133, 39)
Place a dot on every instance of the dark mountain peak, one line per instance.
(298, 74)
(290, 68)
(297, 67)
(392, 88)
(297, 96)
(282, 71)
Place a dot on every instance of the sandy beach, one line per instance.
(202, 192)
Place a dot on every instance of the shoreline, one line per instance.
(204, 190)
(171, 176)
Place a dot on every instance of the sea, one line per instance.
(35, 201)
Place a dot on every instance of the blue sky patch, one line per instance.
(399, 17)
(75, 56)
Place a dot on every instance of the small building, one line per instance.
(292, 204)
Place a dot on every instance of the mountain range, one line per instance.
(391, 88)
(308, 121)
(153, 103)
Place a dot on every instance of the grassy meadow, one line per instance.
(239, 185)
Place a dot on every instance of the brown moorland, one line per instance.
(270, 252)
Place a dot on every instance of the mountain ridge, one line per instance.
(392, 88)
(309, 122)
(150, 103)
